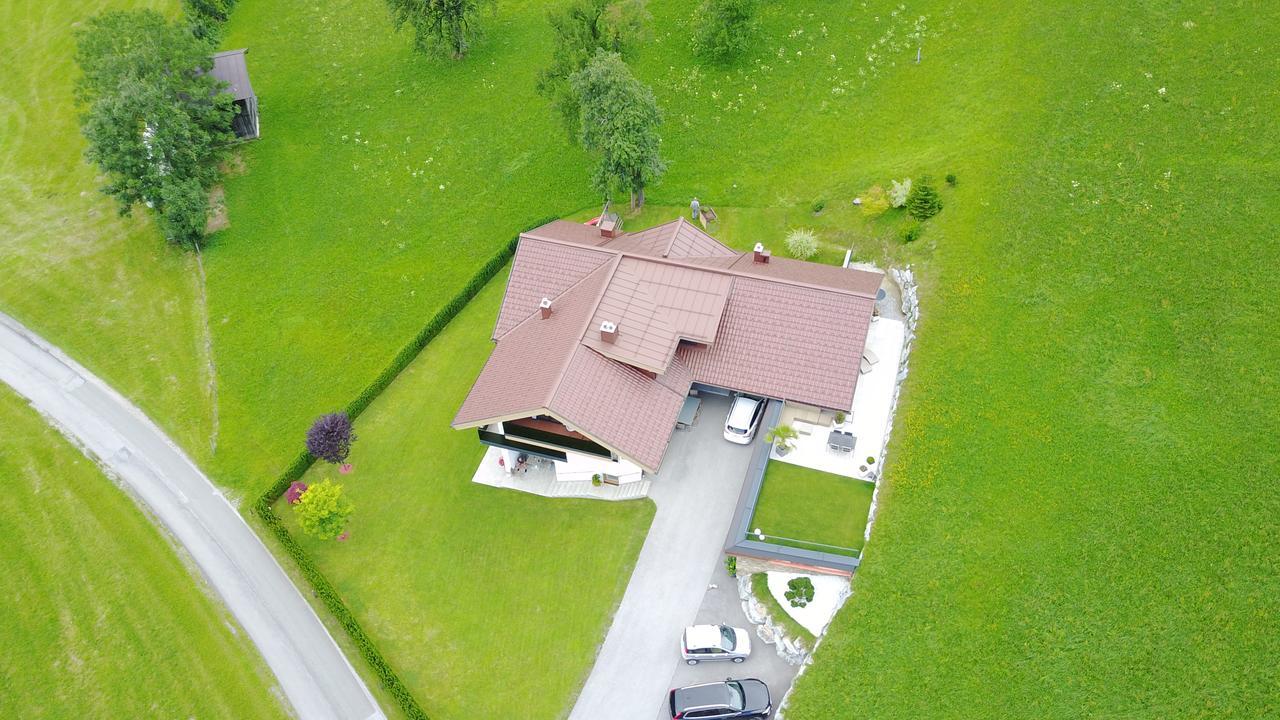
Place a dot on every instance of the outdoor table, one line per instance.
(689, 412)
(841, 441)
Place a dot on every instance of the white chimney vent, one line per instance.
(761, 255)
(545, 307)
(608, 331)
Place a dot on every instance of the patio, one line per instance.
(868, 421)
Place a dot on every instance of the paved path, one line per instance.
(696, 493)
(315, 676)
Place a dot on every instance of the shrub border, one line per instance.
(262, 508)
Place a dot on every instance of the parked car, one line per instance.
(714, 642)
(744, 419)
(746, 698)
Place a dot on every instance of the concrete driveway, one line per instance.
(695, 492)
(314, 674)
(722, 605)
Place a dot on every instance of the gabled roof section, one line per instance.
(230, 68)
(675, 239)
(523, 371)
(809, 355)
(619, 406)
(542, 269)
(655, 305)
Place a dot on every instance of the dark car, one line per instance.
(746, 698)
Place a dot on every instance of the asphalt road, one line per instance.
(311, 670)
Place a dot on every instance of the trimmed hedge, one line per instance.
(320, 585)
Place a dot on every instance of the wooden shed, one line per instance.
(230, 68)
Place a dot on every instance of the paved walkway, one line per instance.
(315, 676)
(696, 493)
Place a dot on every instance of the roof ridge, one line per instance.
(675, 233)
(589, 315)
(731, 270)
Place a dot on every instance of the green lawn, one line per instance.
(813, 509)
(101, 617)
(107, 289)
(1079, 497)
(483, 600)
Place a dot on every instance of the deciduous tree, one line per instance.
(619, 120)
(722, 29)
(330, 437)
(439, 26)
(156, 120)
(578, 31)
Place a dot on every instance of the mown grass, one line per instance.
(483, 600)
(1080, 518)
(810, 509)
(105, 288)
(101, 617)
(1079, 504)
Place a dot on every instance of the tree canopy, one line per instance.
(439, 26)
(923, 201)
(330, 437)
(323, 510)
(156, 120)
(619, 120)
(722, 29)
(578, 31)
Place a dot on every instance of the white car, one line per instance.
(714, 642)
(744, 418)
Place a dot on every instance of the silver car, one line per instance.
(714, 642)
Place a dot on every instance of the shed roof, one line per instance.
(230, 67)
(708, 317)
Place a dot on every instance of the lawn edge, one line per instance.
(321, 587)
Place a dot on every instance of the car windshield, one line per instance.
(730, 638)
(737, 700)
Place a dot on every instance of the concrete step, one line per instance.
(570, 489)
(633, 490)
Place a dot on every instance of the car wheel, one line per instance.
(692, 662)
(739, 659)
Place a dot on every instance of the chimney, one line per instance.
(545, 307)
(761, 255)
(610, 225)
(608, 331)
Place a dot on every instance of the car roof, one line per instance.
(694, 696)
(703, 636)
(743, 407)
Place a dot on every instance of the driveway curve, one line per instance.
(313, 673)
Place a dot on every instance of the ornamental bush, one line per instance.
(323, 510)
(799, 591)
(898, 194)
(330, 437)
(802, 243)
(875, 201)
(911, 233)
(923, 201)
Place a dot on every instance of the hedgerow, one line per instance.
(262, 508)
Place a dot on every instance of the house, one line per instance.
(230, 68)
(603, 334)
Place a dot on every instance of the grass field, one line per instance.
(105, 288)
(101, 618)
(1079, 502)
(483, 600)
(811, 507)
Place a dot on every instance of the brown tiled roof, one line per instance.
(675, 239)
(654, 306)
(542, 269)
(687, 309)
